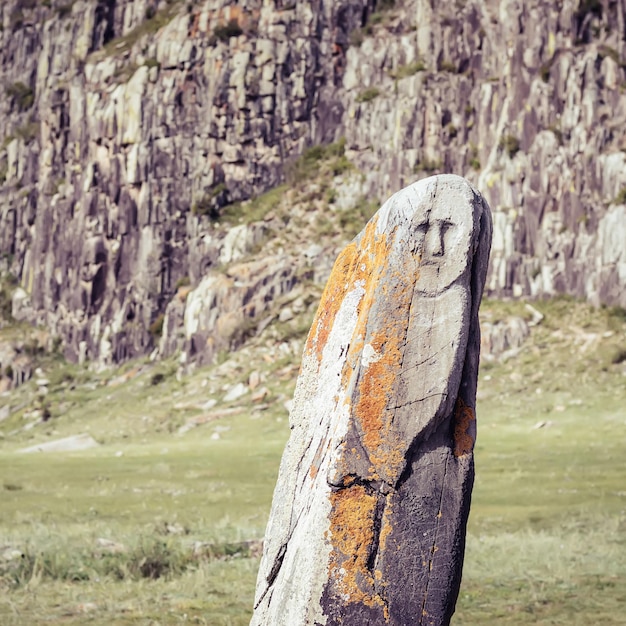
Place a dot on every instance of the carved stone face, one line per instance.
(384, 398)
(443, 237)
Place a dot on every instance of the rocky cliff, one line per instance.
(132, 131)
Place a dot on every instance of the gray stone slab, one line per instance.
(67, 444)
(370, 509)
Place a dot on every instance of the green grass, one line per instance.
(546, 534)
(216, 593)
(368, 95)
(448, 66)
(546, 539)
(404, 71)
(427, 165)
(22, 94)
(27, 132)
(621, 197)
(316, 161)
(151, 491)
(209, 204)
(255, 209)
(510, 144)
(353, 220)
(7, 285)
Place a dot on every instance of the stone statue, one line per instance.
(368, 519)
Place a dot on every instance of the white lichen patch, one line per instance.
(369, 355)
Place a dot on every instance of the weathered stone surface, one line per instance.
(503, 338)
(215, 315)
(369, 513)
(16, 366)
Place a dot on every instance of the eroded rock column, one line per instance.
(370, 509)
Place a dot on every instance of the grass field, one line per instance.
(161, 526)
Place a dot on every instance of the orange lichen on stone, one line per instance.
(351, 535)
(375, 390)
(374, 250)
(348, 480)
(463, 419)
(359, 264)
(375, 387)
(385, 526)
(368, 264)
(336, 288)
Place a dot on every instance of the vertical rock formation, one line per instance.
(369, 513)
(126, 126)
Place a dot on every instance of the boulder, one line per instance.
(370, 509)
(67, 444)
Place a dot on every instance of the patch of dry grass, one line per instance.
(545, 541)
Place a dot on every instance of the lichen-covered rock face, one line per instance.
(369, 513)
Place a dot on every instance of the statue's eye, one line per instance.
(422, 228)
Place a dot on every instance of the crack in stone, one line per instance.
(428, 358)
(422, 399)
(434, 546)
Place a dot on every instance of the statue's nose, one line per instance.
(434, 241)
